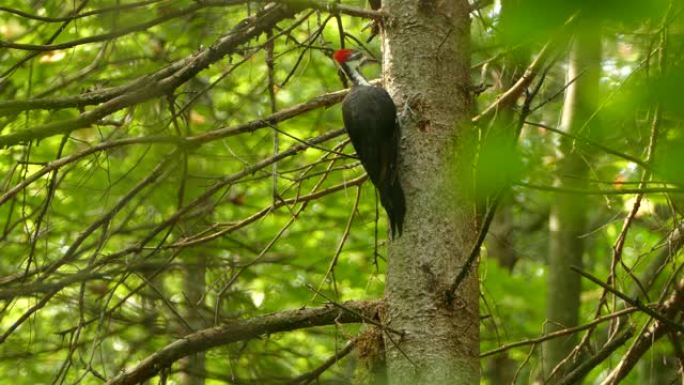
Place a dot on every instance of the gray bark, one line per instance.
(568, 217)
(427, 60)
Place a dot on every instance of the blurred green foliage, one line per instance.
(96, 327)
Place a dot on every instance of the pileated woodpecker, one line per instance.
(370, 118)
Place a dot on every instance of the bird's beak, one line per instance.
(358, 55)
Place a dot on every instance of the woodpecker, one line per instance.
(370, 118)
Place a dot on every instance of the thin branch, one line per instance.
(308, 377)
(150, 88)
(558, 333)
(28, 314)
(336, 8)
(192, 241)
(4, 77)
(509, 97)
(103, 10)
(590, 142)
(116, 34)
(241, 330)
(565, 190)
(673, 306)
(512, 94)
(322, 101)
(636, 303)
(576, 375)
(156, 174)
(340, 245)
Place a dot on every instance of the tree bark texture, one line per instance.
(568, 217)
(427, 63)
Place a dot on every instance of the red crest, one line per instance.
(342, 55)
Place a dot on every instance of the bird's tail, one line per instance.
(392, 199)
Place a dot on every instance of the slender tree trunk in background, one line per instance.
(192, 367)
(568, 217)
(500, 241)
(427, 64)
(501, 237)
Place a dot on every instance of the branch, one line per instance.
(314, 374)
(203, 238)
(584, 368)
(336, 8)
(325, 100)
(241, 330)
(86, 275)
(102, 95)
(47, 19)
(156, 174)
(512, 94)
(636, 303)
(590, 142)
(227, 180)
(450, 294)
(246, 30)
(558, 333)
(110, 35)
(671, 307)
(509, 97)
(646, 190)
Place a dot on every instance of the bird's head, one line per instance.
(347, 56)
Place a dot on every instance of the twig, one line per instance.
(345, 235)
(636, 303)
(100, 11)
(245, 31)
(575, 376)
(558, 333)
(308, 377)
(566, 190)
(592, 143)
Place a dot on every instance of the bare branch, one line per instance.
(663, 318)
(149, 88)
(558, 333)
(103, 10)
(673, 306)
(575, 376)
(241, 330)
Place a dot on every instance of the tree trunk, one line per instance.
(567, 221)
(193, 366)
(500, 242)
(427, 64)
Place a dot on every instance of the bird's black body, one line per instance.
(370, 118)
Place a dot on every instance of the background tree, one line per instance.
(568, 214)
(178, 200)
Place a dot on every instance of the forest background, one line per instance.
(179, 202)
